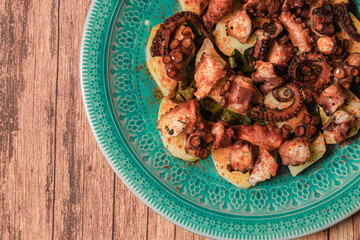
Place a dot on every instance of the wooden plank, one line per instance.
(323, 235)
(357, 226)
(75, 153)
(159, 228)
(28, 66)
(130, 214)
(343, 230)
(181, 234)
(98, 191)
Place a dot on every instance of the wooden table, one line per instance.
(54, 181)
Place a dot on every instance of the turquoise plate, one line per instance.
(121, 103)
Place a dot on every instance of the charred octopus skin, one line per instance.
(332, 98)
(198, 141)
(180, 55)
(339, 124)
(241, 157)
(309, 128)
(294, 152)
(345, 21)
(237, 94)
(217, 10)
(261, 112)
(268, 137)
(312, 73)
(224, 135)
(162, 39)
(263, 8)
(298, 32)
(264, 35)
(322, 20)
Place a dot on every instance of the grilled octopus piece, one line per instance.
(265, 74)
(198, 141)
(217, 10)
(263, 8)
(241, 157)
(181, 118)
(267, 137)
(237, 94)
(294, 152)
(312, 72)
(208, 72)
(240, 26)
(281, 53)
(262, 112)
(333, 46)
(298, 32)
(264, 35)
(339, 124)
(224, 135)
(345, 21)
(322, 20)
(332, 98)
(308, 130)
(161, 41)
(265, 167)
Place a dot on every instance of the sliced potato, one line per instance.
(156, 67)
(228, 44)
(206, 47)
(175, 145)
(317, 151)
(352, 107)
(221, 160)
(195, 6)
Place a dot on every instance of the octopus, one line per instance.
(224, 135)
(208, 72)
(240, 26)
(267, 137)
(333, 46)
(308, 129)
(265, 167)
(261, 112)
(322, 20)
(340, 10)
(241, 157)
(237, 93)
(198, 141)
(181, 53)
(312, 73)
(263, 8)
(332, 98)
(217, 10)
(344, 75)
(352, 61)
(294, 152)
(182, 118)
(281, 52)
(264, 35)
(265, 74)
(299, 34)
(339, 124)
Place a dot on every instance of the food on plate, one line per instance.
(257, 85)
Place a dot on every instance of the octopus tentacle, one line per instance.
(287, 93)
(261, 112)
(161, 41)
(341, 11)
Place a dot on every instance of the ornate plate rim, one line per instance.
(87, 30)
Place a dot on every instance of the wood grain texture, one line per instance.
(54, 180)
